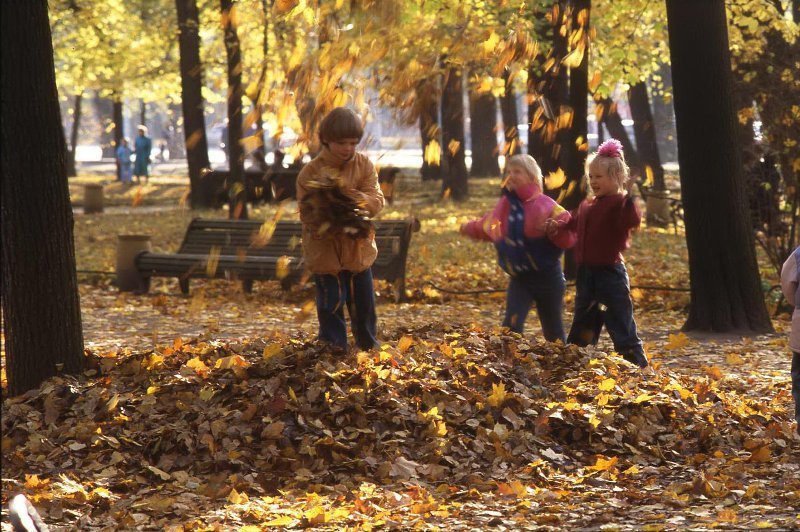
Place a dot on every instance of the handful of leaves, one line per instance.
(330, 210)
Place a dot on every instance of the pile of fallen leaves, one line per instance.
(441, 411)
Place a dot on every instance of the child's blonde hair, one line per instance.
(529, 165)
(611, 156)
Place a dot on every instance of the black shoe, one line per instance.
(636, 358)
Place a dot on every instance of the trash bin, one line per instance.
(128, 277)
(92, 198)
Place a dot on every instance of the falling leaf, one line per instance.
(555, 179)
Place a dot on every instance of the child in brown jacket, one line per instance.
(340, 262)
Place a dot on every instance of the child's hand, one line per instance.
(551, 226)
(463, 229)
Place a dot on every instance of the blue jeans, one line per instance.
(546, 289)
(796, 386)
(603, 297)
(354, 290)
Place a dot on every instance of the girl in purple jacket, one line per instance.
(516, 226)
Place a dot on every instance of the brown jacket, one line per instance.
(331, 254)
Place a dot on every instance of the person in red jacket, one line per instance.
(603, 225)
(516, 226)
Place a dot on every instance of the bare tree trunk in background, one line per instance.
(72, 169)
(104, 112)
(508, 108)
(428, 127)
(576, 147)
(201, 191)
(41, 307)
(664, 118)
(143, 114)
(543, 135)
(483, 121)
(645, 133)
(119, 131)
(236, 186)
(454, 183)
(726, 288)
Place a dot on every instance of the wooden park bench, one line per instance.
(673, 206)
(235, 249)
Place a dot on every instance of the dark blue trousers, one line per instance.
(354, 290)
(603, 297)
(546, 289)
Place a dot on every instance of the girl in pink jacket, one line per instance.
(516, 226)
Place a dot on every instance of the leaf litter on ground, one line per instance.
(445, 425)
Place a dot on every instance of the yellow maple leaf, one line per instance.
(607, 385)
(603, 463)
(677, 341)
(198, 366)
(498, 395)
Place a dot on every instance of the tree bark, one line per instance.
(260, 153)
(576, 146)
(508, 108)
(72, 169)
(236, 190)
(551, 86)
(104, 110)
(454, 183)
(119, 130)
(645, 133)
(201, 192)
(41, 308)
(143, 114)
(664, 119)
(428, 127)
(483, 125)
(726, 290)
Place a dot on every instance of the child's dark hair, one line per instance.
(340, 123)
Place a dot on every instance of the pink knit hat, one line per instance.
(610, 148)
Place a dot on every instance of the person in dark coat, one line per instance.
(142, 148)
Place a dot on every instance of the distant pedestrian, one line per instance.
(790, 284)
(124, 161)
(142, 148)
(603, 226)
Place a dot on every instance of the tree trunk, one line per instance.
(119, 131)
(428, 127)
(664, 119)
(236, 189)
(726, 290)
(201, 191)
(607, 114)
(543, 135)
(576, 146)
(483, 122)
(143, 114)
(645, 133)
(260, 153)
(72, 169)
(104, 111)
(454, 183)
(508, 109)
(41, 308)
